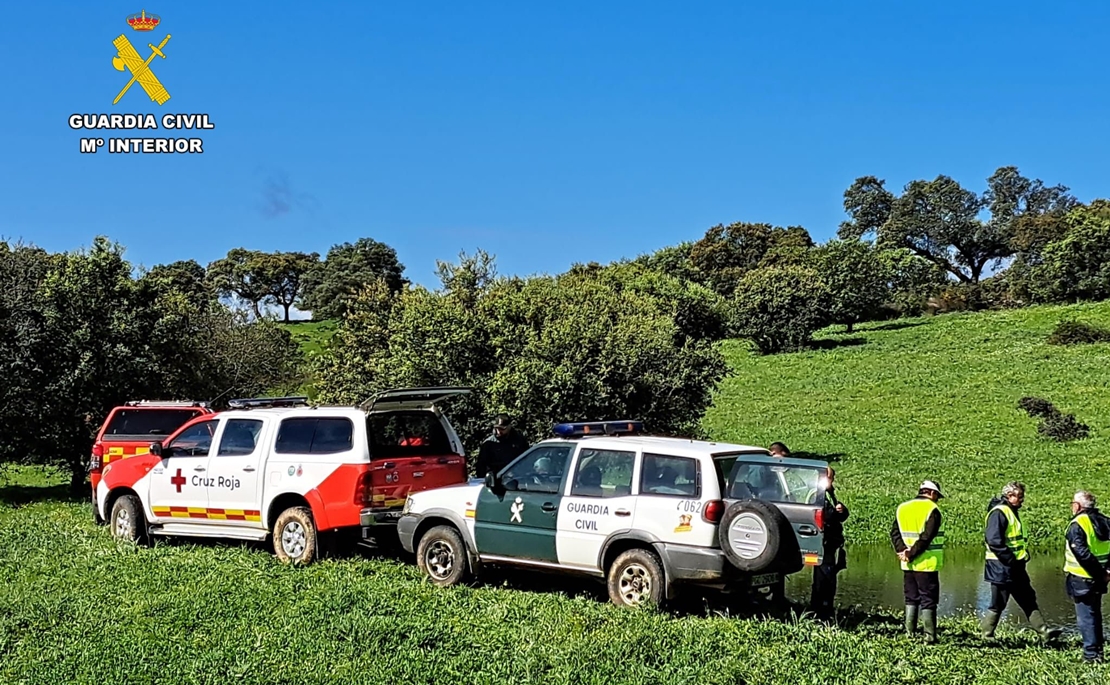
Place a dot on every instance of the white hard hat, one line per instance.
(930, 485)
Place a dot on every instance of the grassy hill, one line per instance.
(935, 397)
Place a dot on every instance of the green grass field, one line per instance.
(890, 405)
(935, 397)
(79, 607)
(312, 336)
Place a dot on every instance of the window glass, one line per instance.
(240, 437)
(540, 469)
(777, 482)
(194, 441)
(406, 434)
(148, 421)
(310, 435)
(603, 473)
(664, 475)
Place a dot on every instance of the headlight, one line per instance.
(408, 505)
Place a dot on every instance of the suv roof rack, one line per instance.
(580, 429)
(165, 403)
(260, 402)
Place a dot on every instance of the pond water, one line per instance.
(873, 580)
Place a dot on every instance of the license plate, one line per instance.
(765, 579)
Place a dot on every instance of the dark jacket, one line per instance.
(1006, 568)
(932, 527)
(496, 453)
(1077, 540)
(833, 525)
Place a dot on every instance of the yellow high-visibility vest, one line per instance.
(911, 517)
(1099, 548)
(1015, 534)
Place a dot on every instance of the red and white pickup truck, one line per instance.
(291, 472)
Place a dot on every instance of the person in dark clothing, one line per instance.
(1087, 570)
(1006, 559)
(500, 448)
(919, 543)
(834, 560)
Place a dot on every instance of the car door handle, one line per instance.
(807, 530)
(622, 512)
(198, 468)
(548, 506)
(248, 468)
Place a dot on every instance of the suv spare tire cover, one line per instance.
(752, 534)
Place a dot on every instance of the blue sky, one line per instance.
(544, 133)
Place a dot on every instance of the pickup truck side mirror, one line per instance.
(156, 449)
(494, 484)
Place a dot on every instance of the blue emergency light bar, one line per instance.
(581, 428)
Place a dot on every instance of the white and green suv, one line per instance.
(643, 513)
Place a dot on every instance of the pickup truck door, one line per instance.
(235, 473)
(177, 491)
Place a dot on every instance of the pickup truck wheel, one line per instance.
(441, 555)
(295, 537)
(128, 521)
(636, 579)
(752, 535)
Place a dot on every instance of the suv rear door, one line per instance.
(796, 488)
(413, 446)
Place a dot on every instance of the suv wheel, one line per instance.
(636, 579)
(756, 536)
(295, 537)
(441, 555)
(128, 521)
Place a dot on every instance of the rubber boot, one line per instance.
(1047, 634)
(988, 623)
(911, 619)
(929, 621)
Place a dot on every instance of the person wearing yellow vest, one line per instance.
(1087, 570)
(919, 542)
(1006, 558)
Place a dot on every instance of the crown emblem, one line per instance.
(144, 21)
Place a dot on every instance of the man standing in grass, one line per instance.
(919, 543)
(824, 576)
(1087, 570)
(1007, 556)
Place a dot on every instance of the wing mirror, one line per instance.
(157, 450)
(494, 484)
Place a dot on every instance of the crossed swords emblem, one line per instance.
(128, 58)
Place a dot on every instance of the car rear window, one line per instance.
(785, 483)
(412, 433)
(132, 422)
(325, 435)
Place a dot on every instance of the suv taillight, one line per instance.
(819, 519)
(364, 490)
(712, 511)
(97, 455)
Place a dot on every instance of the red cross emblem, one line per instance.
(178, 480)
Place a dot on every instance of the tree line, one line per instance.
(81, 333)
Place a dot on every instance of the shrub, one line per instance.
(1070, 332)
(1054, 423)
(1037, 407)
(590, 345)
(1063, 427)
(780, 308)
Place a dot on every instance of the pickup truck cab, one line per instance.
(129, 429)
(272, 467)
(645, 514)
